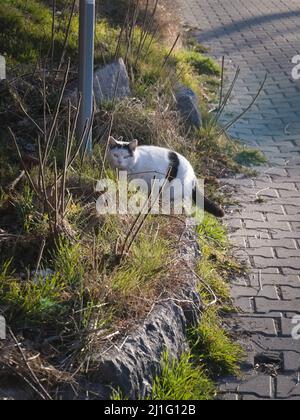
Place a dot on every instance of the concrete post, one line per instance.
(2, 68)
(86, 67)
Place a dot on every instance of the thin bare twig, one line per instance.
(234, 121)
(171, 51)
(44, 394)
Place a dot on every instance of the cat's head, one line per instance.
(122, 155)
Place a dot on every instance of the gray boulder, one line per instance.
(107, 80)
(188, 107)
(2, 68)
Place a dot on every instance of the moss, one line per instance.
(200, 63)
(250, 157)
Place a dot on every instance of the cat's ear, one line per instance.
(133, 145)
(112, 142)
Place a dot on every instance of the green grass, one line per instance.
(181, 380)
(214, 245)
(200, 63)
(36, 300)
(68, 263)
(214, 232)
(213, 347)
(25, 207)
(26, 32)
(250, 157)
(147, 262)
(26, 29)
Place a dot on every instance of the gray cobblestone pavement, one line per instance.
(262, 36)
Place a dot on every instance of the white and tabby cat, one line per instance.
(152, 162)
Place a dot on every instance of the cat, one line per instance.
(153, 162)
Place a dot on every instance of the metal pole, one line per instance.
(86, 68)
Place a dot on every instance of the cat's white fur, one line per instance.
(148, 162)
(152, 162)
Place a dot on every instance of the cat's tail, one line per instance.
(209, 206)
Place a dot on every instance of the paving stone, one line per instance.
(288, 386)
(234, 224)
(263, 305)
(278, 226)
(289, 271)
(260, 385)
(268, 292)
(266, 208)
(278, 280)
(264, 193)
(238, 241)
(248, 216)
(230, 397)
(250, 397)
(289, 194)
(286, 235)
(272, 243)
(280, 218)
(260, 252)
(290, 293)
(293, 263)
(291, 361)
(287, 253)
(251, 325)
(252, 233)
(292, 209)
(269, 345)
(244, 304)
(287, 325)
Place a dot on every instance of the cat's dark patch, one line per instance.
(174, 166)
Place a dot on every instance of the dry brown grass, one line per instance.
(166, 22)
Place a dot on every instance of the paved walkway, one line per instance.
(263, 36)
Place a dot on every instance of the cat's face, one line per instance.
(122, 155)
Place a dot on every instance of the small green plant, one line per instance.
(36, 300)
(217, 265)
(67, 261)
(212, 231)
(118, 395)
(181, 380)
(147, 262)
(24, 206)
(213, 347)
(200, 63)
(251, 157)
(5, 272)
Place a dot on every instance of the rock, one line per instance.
(42, 275)
(105, 81)
(2, 68)
(188, 106)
